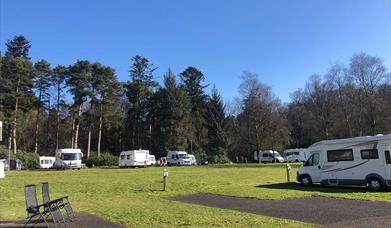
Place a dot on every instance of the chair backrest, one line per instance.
(45, 192)
(31, 197)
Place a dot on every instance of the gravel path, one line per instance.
(316, 210)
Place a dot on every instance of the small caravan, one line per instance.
(178, 158)
(151, 160)
(268, 156)
(362, 161)
(46, 162)
(68, 159)
(296, 155)
(133, 158)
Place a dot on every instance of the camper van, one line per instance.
(133, 158)
(178, 158)
(151, 160)
(46, 162)
(296, 155)
(68, 159)
(193, 160)
(362, 161)
(267, 156)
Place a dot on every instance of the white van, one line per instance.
(296, 155)
(267, 156)
(353, 161)
(133, 158)
(46, 162)
(68, 159)
(178, 158)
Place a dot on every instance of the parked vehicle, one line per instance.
(178, 158)
(46, 162)
(296, 155)
(362, 161)
(202, 161)
(68, 159)
(134, 158)
(193, 160)
(151, 160)
(266, 156)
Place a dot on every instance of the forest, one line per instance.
(45, 107)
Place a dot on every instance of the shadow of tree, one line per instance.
(315, 188)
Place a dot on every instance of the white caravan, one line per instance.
(133, 158)
(296, 155)
(267, 156)
(353, 161)
(68, 159)
(193, 160)
(151, 160)
(178, 158)
(46, 162)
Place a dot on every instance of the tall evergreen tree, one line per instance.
(58, 80)
(172, 116)
(139, 91)
(42, 75)
(217, 139)
(192, 79)
(19, 46)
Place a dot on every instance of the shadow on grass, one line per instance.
(315, 188)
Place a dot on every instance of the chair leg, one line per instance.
(27, 222)
(43, 218)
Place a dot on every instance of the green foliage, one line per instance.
(106, 159)
(19, 46)
(29, 160)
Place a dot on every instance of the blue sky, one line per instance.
(284, 42)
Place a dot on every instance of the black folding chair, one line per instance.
(61, 203)
(42, 210)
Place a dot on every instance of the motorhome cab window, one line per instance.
(340, 155)
(369, 154)
(75, 156)
(313, 160)
(128, 156)
(388, 157)
(122, 156)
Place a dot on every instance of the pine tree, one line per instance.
(58, 80)
(217, 139)
(192, 79)
(42, 75)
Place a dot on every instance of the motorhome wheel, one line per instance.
(306, 181)
(375, 184)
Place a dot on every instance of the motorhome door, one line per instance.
(386, 149)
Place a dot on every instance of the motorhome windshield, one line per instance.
(183, 156)
(71, 156)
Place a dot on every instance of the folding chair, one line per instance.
(62, 203)
(34, 209)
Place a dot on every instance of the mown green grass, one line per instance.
(133, 196)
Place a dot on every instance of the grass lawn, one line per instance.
(133, 196)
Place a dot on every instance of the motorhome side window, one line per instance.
(265, 155)
(128, 156)
(388, 157)
(340, 155)
(369, 154)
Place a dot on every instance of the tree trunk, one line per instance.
(77, 127)
(58, 114)
(15, 118)
(100, 126)
(37, 124)
(47, 127)
(89, 142)
(73, 130)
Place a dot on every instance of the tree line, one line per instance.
(108, 116)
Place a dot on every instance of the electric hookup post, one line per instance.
(288, 172)
(165, 175)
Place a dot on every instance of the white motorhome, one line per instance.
(267, 156)
(68, 159)
(354, 161)
(133, 158)
(46, 162)
(296, 155)
(178, 158)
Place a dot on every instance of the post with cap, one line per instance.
(165, 175)
(288, 172)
